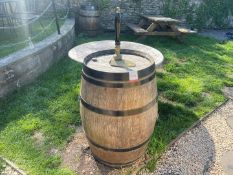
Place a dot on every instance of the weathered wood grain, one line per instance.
(118, 140)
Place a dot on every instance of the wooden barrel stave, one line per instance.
(103, 130)
(102, 79)
(118, 114)
(89, 21)
(119, 98)
(117, 159)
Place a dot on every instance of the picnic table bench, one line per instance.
(158, 25)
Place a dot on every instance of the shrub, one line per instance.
(207, 13)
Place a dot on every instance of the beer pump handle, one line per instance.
(117, 26)
(117, 34)
(117, 60)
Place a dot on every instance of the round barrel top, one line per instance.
(83, 51)
(101, 63)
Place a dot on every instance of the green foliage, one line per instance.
(198, 17)
(175, 8)
(218, 10)
(209, 13)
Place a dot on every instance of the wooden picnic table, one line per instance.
(158, 25)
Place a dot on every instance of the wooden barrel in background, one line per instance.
(118, 108)
(89, 20)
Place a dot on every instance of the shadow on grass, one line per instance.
(173, 120)
(50, 107)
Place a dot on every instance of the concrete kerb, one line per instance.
(13, 166)
(24, 66)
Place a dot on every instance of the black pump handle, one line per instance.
(117, 26)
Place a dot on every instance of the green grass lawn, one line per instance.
(9, 37)
(189, 86)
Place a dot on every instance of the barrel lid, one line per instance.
(84, 51)
(102, 62)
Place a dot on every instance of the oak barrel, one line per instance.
(118, 106)
(89, 20)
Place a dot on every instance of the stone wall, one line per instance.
(132, 9)
(24, 66)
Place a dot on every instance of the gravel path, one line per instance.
(9, 171)
(77, 157)
(9, 168)
(205, 149)
(217, 34)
